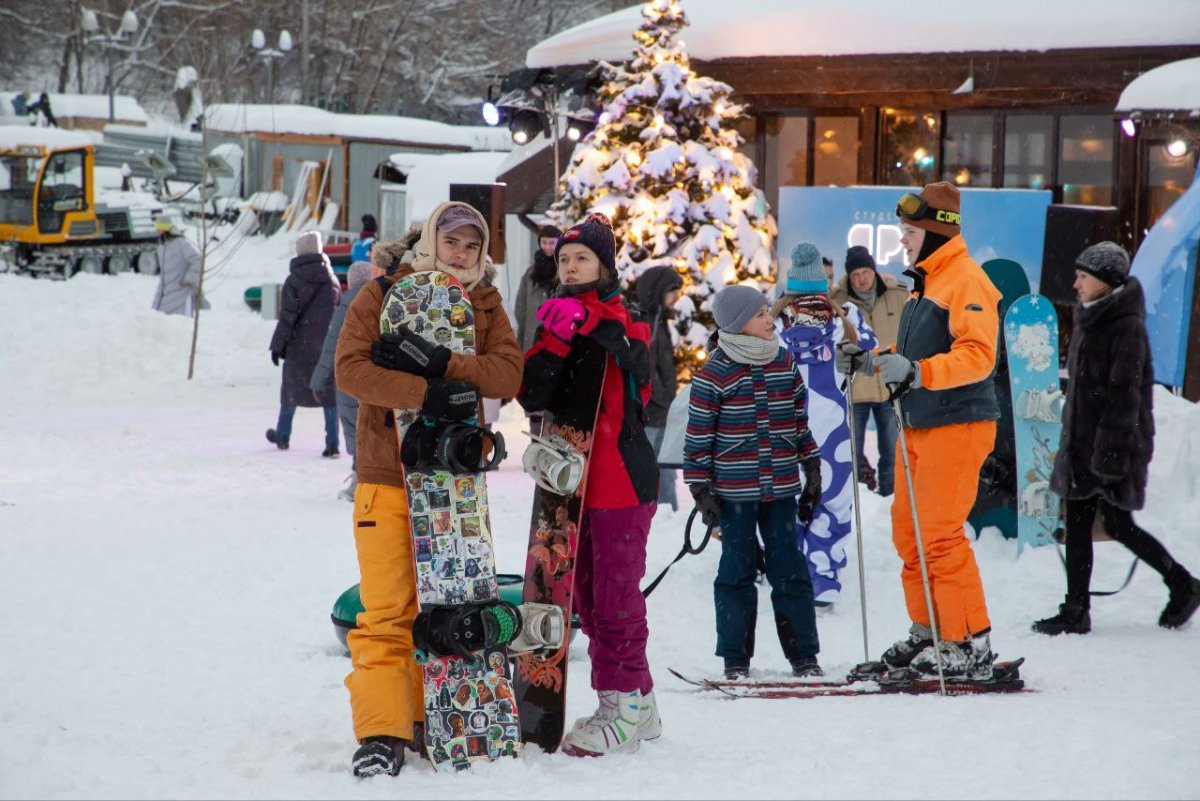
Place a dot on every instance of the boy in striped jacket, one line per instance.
(747, 437)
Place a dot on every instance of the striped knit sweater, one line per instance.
(748, 428)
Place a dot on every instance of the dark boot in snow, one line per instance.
(1184, 600)
(331, 453)
(379, 755)
(1072, 618)
(806, 667)
(276, 440)
(901, 654)
(735, 671)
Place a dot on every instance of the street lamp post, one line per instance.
(258, 42)
(109, 41)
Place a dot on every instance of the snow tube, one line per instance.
(349, 604)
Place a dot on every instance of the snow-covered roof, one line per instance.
(293, 119)
(429, 175)
(125, 107)
(1171, 87)
(860, 27)
(13, 135)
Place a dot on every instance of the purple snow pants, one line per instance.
(609, 566)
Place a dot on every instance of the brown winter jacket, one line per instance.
(884, 319)
(496, 370)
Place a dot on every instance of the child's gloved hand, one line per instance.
(562, 317)
(810, 497)
(708, 504)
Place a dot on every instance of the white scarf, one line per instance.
(746, 349)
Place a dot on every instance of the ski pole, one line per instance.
(912, 502)
(862, 574)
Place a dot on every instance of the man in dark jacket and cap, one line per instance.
(310, 294)
(1107, 440)
(657, 291)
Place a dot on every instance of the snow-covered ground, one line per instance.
(168, 577)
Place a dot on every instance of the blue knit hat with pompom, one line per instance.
(807, 274)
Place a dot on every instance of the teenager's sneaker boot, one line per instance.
(806, 668)
(1184, 600)
(971, 660)
(379, 755)
(276, 440)
(901, 653)
(1072, 618)
(612, 730)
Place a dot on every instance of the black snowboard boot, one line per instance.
(276, 440)
(379, 755)
(901, 653)
(806, 667)
(1072, 618)
(1184, 600)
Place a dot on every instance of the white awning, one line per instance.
(1171, 87)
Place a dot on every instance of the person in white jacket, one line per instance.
(179, 269)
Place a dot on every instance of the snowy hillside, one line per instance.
(168, 577)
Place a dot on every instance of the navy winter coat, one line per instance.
(310, 294)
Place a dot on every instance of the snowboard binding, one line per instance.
(1041, 404)
(468, 628)
(553, 464)
(459, 448)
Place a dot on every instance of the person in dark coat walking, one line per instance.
(657, 291)
(1107, 440)
(310, 294)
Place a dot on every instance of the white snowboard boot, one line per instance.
(649, 723)
(612, 730)
(346, 493)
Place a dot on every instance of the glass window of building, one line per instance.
(835, 151)
(786, 154)
(1085, 159)
(910, 147)
(967, 150)
(1028, 150)
(1170, 167)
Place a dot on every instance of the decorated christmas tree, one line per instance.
(662, 164)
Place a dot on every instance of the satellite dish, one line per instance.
(157, 164)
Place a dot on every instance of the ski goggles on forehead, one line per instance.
(915, 207)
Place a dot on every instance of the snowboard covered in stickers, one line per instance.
(1031, 340)
(559, 459)
(470, 708)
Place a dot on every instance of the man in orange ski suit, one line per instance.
(942, 366)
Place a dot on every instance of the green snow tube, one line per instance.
(349, 604)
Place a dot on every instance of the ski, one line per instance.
(1005, 679)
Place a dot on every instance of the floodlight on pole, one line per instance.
(90, 23)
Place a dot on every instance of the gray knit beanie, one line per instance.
(735, 305)
(308, 242)
(360, 272)
(1107, 261)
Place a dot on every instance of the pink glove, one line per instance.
(562, 316)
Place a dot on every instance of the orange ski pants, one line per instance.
(386, 693)
(945, 464)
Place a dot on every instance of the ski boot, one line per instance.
(379, 755)
(806, 668)
(1184, 600)
(970, 661)
(900, 655)
(735, 671)
(613, 729)
(1072, 618)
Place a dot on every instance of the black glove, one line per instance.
(450, 400)
(811, 495)
(708, 503)
(403, 350)
(275, 357)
